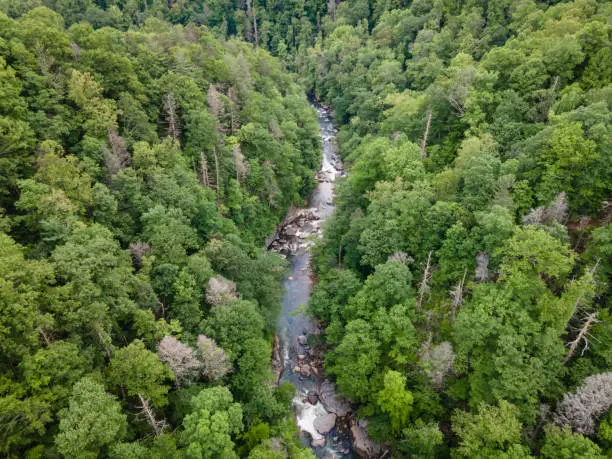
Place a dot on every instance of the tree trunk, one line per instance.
(424, 141)
(217, 175)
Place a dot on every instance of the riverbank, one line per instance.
(324, 418)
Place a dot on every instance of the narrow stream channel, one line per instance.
(322, 416)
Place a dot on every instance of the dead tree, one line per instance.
(220, 291)
(252, 12)
(239, 163)
(234, 107)
(438, 362)
(425, 135)
(331, 9)
(138, 251)
(104, 340)
(457, 296)
(217, 176)
(181, 359)
(582, 409)
(583, 336)
(583, 224)
(172, 120)
(215, 361)
(424, 287)
(482, 267)
(204, 172)
(215, 106)
(149, 415)
(118, 158)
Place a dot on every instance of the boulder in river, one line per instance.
(318, 442)
(332, 401)
(325, 423)
(302, 340)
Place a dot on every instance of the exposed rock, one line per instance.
(363, 445)
(324, 424)
(277, 361)
(313, 398)
(306, 371)
(220, 290)
(333, 402)
(299, 225)
(302, 340)
(291, 230)
(319, 442)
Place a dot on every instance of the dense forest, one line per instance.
(148, 148)
(140, 173)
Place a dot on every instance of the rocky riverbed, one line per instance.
(326, 420)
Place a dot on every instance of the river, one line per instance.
(322, 416)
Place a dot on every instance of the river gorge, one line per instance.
(322, 416)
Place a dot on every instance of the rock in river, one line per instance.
(325, 423)
(332, 401)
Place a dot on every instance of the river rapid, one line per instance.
(322, 416)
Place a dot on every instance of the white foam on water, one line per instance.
(306, 415)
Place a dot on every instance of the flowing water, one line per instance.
(302, 361)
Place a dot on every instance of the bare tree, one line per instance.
(331, 9)
(457, 295)
(220, 290)
(242, 169)
(215, 106)
(232, 94)
(118, 157)
(172, 119)
(438, 362)
(583, 336)
(425, 135)
(557, 211)
(138, 251)
(585, 221)
(424, 287)
(204, 172)
(482, 266)
(582, 409)
(401, 256)
(76, 50)
(147, 412)
(275, 129)
(181, 359)
(218, 177)
(606, 209)
(215, 361)
(252, 12)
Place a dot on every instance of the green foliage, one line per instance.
(421, 441)
(214, 419)
(476, 143)
(92, 423)
(139, 372)
(144, 150)
(491, 431)
(562, 443)
(395, 400)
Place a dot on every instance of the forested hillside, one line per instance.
(464, 280)
(148, 147)
(140, 172)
